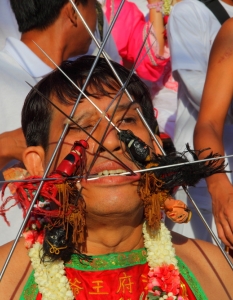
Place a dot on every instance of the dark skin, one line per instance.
(65, 38)
(216, 100)
(204, 260)
(12, 145)
(118, 227)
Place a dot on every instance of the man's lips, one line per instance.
(111, 171)
(109, 168)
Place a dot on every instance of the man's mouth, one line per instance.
(111, 172)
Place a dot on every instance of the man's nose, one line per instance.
(110, 139)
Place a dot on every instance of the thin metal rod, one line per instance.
(112, 68)
(171, 166)
(164, 153)
(53, 156)
(93, 177)
(86, 132)
(208, 227)
(149, 129)
(34, 200)
(41, 184)
(100, 49)
(82, 93)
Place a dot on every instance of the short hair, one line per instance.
(37, 14)
(37, 111)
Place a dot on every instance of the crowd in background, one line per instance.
(168, 43)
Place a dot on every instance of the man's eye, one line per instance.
(80, 128)
(128, 120)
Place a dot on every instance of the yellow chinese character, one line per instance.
(144, 280)
(75, 286)
(98, 288)
(125, 283)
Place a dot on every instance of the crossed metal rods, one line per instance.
(124, 89)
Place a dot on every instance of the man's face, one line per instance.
(113, 193)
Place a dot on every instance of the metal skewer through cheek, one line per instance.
(59, 144)
(111, 66)
(94, 177)
(49, 165)
(160, 147)
(86, 132)
(53, 156)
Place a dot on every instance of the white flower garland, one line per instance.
(50, 276)
(53, 283)
(160, 250)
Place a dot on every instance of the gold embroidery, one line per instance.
(98, 288)
(183, 289)
(75, 286)
(125, 283)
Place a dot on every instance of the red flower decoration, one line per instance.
(31, 237)
(164, 279)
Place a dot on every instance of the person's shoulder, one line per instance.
(17, 271)
(227, 28)
(199, 248)
(208, 265)
(7, 62)
(222, 46)
(188, 7)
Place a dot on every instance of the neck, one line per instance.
(52, 44)
(114, 234)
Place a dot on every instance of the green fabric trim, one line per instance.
(109, 261)
(30, 290)
(115, 261)
(191, 280)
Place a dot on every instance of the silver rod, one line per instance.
(39, 188)
(93, 177)
(82, 92)
(33, 201)
(171, 166)
(114, 71)
(101, 48)
(208, 227)
(73, 121)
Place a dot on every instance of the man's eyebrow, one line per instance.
(89, 114)
(125, 106)
(77, 119)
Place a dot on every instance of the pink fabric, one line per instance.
(129, 33)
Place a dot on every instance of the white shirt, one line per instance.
(192, 29)
(8, 23)
(17, 65)
(110, 46)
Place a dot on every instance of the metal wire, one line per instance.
(101, 51)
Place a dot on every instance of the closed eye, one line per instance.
(79, 129)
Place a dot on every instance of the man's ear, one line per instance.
(33, 159)
(72, 13)
(156, 148)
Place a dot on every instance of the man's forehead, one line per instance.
(86, 109)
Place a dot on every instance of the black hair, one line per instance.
(37, 14)
(37, 112)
